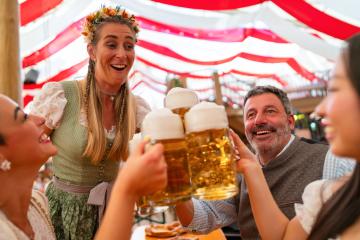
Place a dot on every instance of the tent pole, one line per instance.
(10, 84)
(217, 89)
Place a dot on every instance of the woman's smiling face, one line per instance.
(25, 141)
(113, 55)
(341, 112)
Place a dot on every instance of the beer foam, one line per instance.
(162, 124)
(180, 98)
(205, 116)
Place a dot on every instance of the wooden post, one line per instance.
(177, 81)
(217, 89)
(10, 84)
(183, 81)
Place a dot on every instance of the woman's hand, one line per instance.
(144, 172)
(246, 160)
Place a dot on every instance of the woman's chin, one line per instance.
(338, 150)
(53, 152)
(50, 147)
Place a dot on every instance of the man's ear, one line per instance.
(91, 51)
(291, 121)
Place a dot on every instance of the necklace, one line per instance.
(110, 95)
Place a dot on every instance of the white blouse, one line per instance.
(50, 104)
(314, 196)
(38, 217)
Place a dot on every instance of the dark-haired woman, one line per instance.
(24, 147)
(331, 208)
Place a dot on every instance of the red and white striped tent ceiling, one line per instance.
(285, 43)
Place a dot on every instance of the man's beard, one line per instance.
(274, 146)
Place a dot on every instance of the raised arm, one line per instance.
(141, 175)
(270, 221)
(185, 212)
(207, 216)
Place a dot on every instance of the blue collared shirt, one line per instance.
(210, 215)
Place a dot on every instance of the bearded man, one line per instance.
(289, 163)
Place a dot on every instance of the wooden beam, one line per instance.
(306, 105)
(10, 83)
(217, 89)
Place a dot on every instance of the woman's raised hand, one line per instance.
(145, 172)
(245, 158)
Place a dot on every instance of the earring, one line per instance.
(5, 165)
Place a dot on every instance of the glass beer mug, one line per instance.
(180, 100)
(142, 206)
(144, 209)
(163, 126)
(210, 154)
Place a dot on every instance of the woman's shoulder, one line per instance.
(50, 104)
(323, 189)
(141, 102)
(8, 230)
(39, 217)
(40, 198)
(314, 196)
(59, 86)
(51, 88)
(142, 108)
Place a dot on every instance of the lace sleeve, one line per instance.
(314, 196)
(142, 108)
(41, 199)
(50, 104)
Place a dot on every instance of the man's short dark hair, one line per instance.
(259, 90)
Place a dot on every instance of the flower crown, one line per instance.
(95, 18)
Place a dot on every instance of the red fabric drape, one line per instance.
(72, 32)
(259, 75)
(149, 86)
(316, 19)
(186, 74)
(211, 4)
(226, 35)
(252, 57)
(30, 10)
(59, 42)
(60, 76)
(148, 77)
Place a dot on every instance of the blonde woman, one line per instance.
(91, 121)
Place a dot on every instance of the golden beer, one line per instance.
(180, 100)
(212, 164)
(179, 186)
(165, 127)
(210, 154)
(181, 112)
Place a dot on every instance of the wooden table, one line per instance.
(139, 234)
